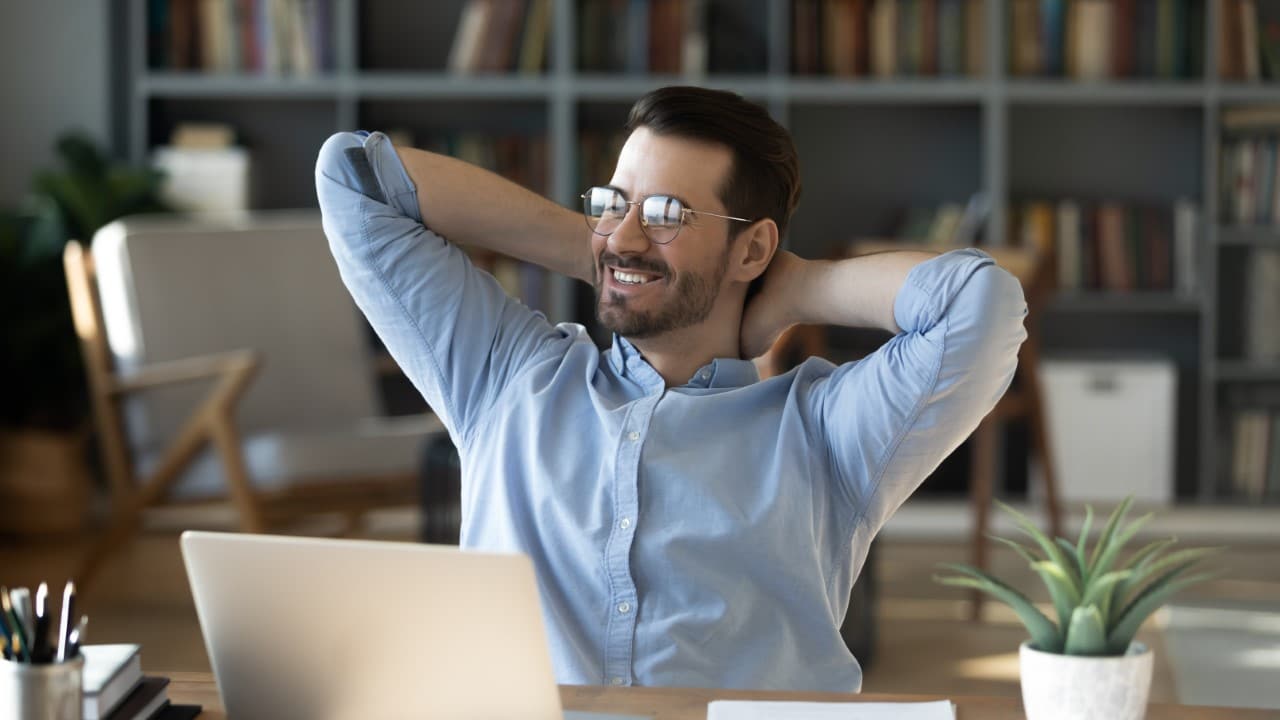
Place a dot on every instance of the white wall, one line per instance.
(54, 76)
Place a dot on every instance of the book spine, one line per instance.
(1052, 31)
(975, 38)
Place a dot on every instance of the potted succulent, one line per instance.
(44, 476)
(1087, 664)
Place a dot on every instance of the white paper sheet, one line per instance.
(747, 710)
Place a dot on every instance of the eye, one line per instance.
(662, 211)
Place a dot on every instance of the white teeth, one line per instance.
(630, 278)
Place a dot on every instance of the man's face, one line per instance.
(680, 281)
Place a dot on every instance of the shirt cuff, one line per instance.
(932, 285)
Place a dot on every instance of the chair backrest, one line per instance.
(86, 312)
(173, 287)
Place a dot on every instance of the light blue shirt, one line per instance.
(701, 535)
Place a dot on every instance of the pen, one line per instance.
(6, 605)
(21, 599)
(40, 638)
(64, 626)
(6, 635)
(77, 636)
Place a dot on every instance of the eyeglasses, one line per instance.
(661, 216)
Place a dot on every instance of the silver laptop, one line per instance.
(313, 628)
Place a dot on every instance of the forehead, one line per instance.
(692, 170)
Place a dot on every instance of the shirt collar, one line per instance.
(719, 373)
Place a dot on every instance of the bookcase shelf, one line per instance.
(1245, 371)
(1136, 92)
(871, 148)
(1246, 236)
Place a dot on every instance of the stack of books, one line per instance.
(889, 38)
(241, 36)
(501, 36)
(116, 689)
(1105, 39)
(1114, 246)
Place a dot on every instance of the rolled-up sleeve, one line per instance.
(456, 334)
(892, 417)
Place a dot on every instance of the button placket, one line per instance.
(620, 630)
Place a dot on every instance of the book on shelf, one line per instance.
(241, 36)
(1249, 163)
(947, 225)
(1249, 40)
(887, 38)
(1254, 469)
(1113, 246)
(1262, 305)
(1105, 39)
(495, 36)
(690, 37)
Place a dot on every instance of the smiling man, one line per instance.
(690, 524)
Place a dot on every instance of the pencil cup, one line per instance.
(41, 692)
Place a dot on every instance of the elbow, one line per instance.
(332, 162)
(1005, 306)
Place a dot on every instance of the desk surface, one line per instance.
(691, 704)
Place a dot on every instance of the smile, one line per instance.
(630, 277)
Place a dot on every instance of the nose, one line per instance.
(629, 237)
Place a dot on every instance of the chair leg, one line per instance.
(982, 470)
(1040, 434)
(125, 521)
(227, 441)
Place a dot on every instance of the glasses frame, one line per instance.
(644, 227)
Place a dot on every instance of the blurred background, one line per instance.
(179, 353)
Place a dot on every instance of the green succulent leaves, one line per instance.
(1099, 601)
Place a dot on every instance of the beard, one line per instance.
(692, 297)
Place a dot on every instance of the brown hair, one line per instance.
(764, 180)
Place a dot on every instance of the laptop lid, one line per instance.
(312, 628)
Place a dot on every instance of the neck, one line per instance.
(678, 354)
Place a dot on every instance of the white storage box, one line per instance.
(1111, 428)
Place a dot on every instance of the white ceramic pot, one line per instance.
(1071, 687)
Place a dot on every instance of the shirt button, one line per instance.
(633, 436)
(624, 523)
(616, 681)
(624, 607)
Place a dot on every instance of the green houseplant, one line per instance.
(44, 412)
(1100, 599)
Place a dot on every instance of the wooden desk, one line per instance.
(691, 704)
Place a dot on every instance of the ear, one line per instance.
(754, 248)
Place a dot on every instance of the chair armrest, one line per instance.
(201, 367)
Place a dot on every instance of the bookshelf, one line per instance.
(869, 148)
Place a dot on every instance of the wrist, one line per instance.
(809, 277)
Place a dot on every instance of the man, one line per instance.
(690, 524)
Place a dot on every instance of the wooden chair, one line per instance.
(209, 442)
(1024, 400)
